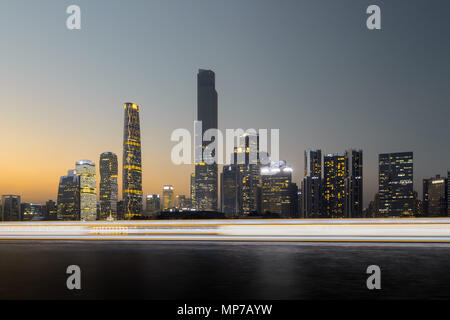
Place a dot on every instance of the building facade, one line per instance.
(109, 171)
(312, 185)
(69, 197)
(354, 184)
(279, 195)
(395, 184)
(85, 169)
(435, 193)
(132, 163)
(334, 193)
(152, 205)
(10, 208)
(168, 198)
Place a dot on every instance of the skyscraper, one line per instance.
(10, 208)
(206, 174)
(229, 190)
(312, 185)
(334, 174)
(108, 185)
(395, 184)
(192, 190)
(69, 197)
(448, 193)
(85, 169)
(435, 191)
(354, 183)
(168, 198)
(279, 194)
(152, 205)
(50, 210)
(132, 167)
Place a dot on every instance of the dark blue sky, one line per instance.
(309, 68)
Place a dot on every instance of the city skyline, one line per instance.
(355, 97)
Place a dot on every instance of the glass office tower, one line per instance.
(69, 197)
(108, 185)
(395, 184)
(85, 169)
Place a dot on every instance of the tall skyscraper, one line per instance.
(354, 183)
(108, 185)
(69, 197)
(152, 205)
(85, 169)
(435, 192)
(334, 174)
(395, 184)
(206, 174)
(312, 185)
(279, 194)
(10, 208)
(132, 166)
(168, 198)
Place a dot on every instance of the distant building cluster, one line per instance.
(332, 185)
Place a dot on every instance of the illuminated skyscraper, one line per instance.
(279, 194)
(168, 198)
(152, 205)
(69, 197)
(108, 185)
(354, 183)
(312, 185)
(395, 184)
(10, 208)
(85, 169)
(334, 173)
(435, 191)
(206, 174)
(132, 166)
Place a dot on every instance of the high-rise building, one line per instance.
(69, 197)
(448, 193)
(182, 203)
(152, 205)
(50, 210)
(229, 190)
(435, 192)
(206, 174)
(192, 190)
(279, 195)
(132, 166)
(334, 174)
(354, 184)
(395, 184)
(312, 185)
(108, 185)
(30, 211)
(85, 169)
(10, 208)
(168, 198)
(241, 180)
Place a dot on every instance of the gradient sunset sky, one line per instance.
(310, 68)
